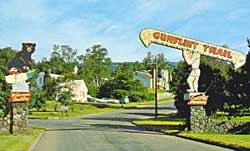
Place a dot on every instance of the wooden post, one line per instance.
(11, 118)
(156, 87)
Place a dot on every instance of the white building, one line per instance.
(79, 90)
(166, 77)
(77, 87)
(148, 81)
(145, 77)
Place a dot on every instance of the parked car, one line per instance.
(107, 100)
(91, 99)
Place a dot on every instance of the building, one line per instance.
(145, 77)
(79, 90)
(148, 81)
(166, 77)
(77, 87)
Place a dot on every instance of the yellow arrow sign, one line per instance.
(149, 36)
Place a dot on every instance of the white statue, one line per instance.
(192, 59)
(75, 70)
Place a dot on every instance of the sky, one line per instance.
(116, 24)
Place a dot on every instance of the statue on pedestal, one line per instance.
(192, 59)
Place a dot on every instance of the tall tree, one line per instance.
(147, 61)
(95, 67)
(238, 89)
(6, 54)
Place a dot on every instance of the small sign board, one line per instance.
(198, 100)
(19, 97)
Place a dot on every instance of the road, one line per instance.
(112, 131)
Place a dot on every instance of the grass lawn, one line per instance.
(75, 110)
(169, 120)
(234, 119)
(227, 139)
(170, 125)
(152, 91)
(19, 142)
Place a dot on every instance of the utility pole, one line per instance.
(156, 87)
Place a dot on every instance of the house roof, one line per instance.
(146, 74)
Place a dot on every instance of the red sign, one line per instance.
(19, 97)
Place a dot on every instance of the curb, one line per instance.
(38, 139)
(194, 139)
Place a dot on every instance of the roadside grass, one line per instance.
(75, 110)
(20, 142)
(233, 119)
(227, 139)
(172, 124)
(142, 103)
(152, 91)
(168, 120)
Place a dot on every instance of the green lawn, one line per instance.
(170, 124)
(75, 110)
(227, 139)
(152, 91)
(141, 103)
(168, 120)
(234, 119)
(19, 142)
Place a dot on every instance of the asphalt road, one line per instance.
(112, 132)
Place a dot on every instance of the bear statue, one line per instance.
(22, 60)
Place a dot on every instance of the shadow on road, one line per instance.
(159, 108)
(120, 119)
(107, 128)
(145, 114)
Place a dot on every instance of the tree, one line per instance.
(65, 98)
(238, 89)
(38, 99)
(123, 85)
(161, 62)
(179, 86)
(147, 61)
(213, 79)
(6, 54)
(95, 68)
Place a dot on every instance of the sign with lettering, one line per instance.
(198, 100)
(149, 36)
(19, 97)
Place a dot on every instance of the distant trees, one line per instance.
(95, 68)
(149, 61)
